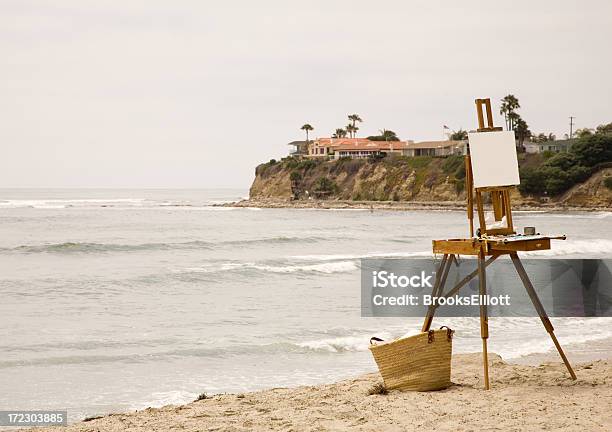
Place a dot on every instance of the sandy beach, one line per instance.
(522, 398)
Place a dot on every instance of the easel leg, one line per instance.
(540, 309)
(484, 320)
(441, 275)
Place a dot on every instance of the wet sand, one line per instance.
(522, 398)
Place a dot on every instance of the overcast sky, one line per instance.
(197, 93)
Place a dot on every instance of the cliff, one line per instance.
(417, 179)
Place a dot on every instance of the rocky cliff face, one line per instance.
(421, 179)
(591, 193)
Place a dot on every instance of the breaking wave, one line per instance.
(91, 247)
(591, 248)
(325, 268)
(570, 331)
(65, 203)
(421, 254)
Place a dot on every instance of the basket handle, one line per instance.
(375, 339)
(449, 333)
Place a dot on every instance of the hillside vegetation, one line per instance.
(582, 176)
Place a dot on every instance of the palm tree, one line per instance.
(351, 129)
(355, 118)
(307, 127)
(508, 107)
(521, 130)
(460, 135)
(340, 133)
(513, 119)
(388, 135)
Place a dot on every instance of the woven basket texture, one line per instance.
(414, 363)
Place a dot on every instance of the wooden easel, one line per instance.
(492, 243)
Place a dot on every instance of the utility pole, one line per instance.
(571, 126)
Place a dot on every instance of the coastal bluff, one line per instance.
(398, 180)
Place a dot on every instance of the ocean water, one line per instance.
(115, 300)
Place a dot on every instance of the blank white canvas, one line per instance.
(494, 161)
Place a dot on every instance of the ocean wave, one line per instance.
(92, 247)
(332, 257)
(342, 344)
(85, 247)
(208, 350)
(140, 203)
(580, 215)
(279, 240)
(160, 399)
(570, 331)
(523, 336)
(591, 248)
(327, 268)
(64, 203)
(345, 263)
(586, 248)
(246, 267)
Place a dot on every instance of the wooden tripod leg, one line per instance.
(484, 320)
(540, 309)
(437, 288)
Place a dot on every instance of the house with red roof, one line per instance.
(361, 148)
(355, 148)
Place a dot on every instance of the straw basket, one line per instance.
(417, 363)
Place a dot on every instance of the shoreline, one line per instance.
(272, 203)
(522, 397)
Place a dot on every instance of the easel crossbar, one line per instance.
(465, 280)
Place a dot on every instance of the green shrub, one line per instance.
(608, 182)
(272, 162)
(563, 161)
(557, 181)
(532, 181)
(460, 172)
(291, 162)
(460, 186)
(593, 149)
(323, 184)
(307, 164)
(604, 129)
(547, 154)
(579, 174)
(295, 176)
(418, 161)
(561, 171)
(452, 163)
